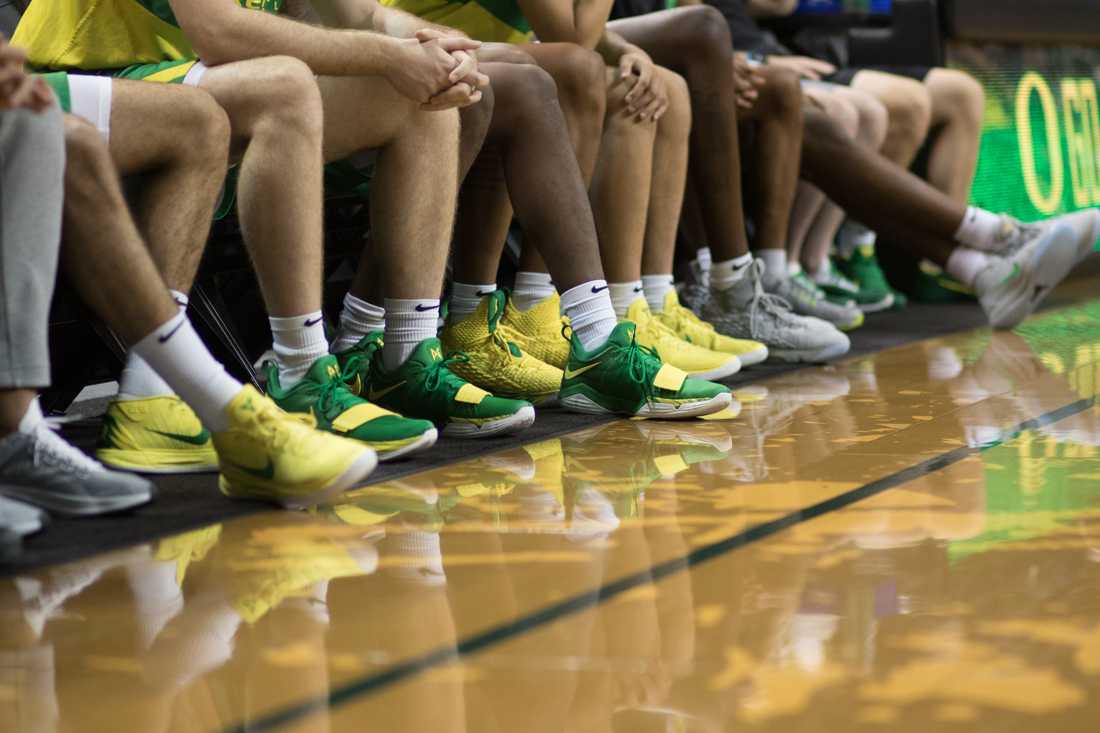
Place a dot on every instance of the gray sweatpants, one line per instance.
(32, 167)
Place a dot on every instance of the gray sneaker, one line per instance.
(745, 311)
(40, 468)
(1012, 286)
(806, 299)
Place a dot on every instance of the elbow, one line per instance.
(214, 43)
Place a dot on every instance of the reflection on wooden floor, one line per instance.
(546, 589)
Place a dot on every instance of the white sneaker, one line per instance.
(806, 299)
(1085, 224)
(745, 311)
(1012, 286)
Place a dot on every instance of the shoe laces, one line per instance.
(642, 363)
(1014, 235)
(53, 451)
(336, 391)
(440, 374)
(763, 304)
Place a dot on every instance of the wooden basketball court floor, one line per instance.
(908, 542)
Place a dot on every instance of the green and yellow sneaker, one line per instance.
(324, 394)
(425, 387)
(625, 378)
(862, 268)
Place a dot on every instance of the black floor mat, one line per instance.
(186, 502)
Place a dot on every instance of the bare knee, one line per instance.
(702, 31)
(956, 96)
(909, 107)
(677, 119)
(874, 120)
(581, 82)
(286, 94)
(201, 133)
(782, 95)
(85, 148)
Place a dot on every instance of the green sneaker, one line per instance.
(862, 268)
(933, 285)
(425, 387)
(324, 394)
(624, 378)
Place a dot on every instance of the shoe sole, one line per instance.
(727, 369)
(164, 462)
(425, 441)
(826, 353)
(1053, 260)
(349, 479)
(754, 357)
(878, 307)
(77, 506)
(652, 410)
(520, 420)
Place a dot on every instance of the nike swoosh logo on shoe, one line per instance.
(426, 308)
(570, 373)
(599, 290)
(202, 438)
(267, 472)
(375, 395)
(1012, 275)
(314, 322)
(638, 290)
(170, 334)
(482, 293)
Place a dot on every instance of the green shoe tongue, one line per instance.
(324, 370)
(426, 353)
(623, 334)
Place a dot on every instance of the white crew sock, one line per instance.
(31, 418)
(138, 380)
(591, 315)
(298, 341)
(180, 357)
(466, 297)
(408, 322)
(357, 319)
(965, 264)
(531, 289)
(656, 287)
(623, 296)
(725, 274)
(979, 229)
(775, 264)
(852, 236)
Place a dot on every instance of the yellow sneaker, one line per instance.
(271, 455)
(695, 330)
(538, 330)
(155, 435)
(494, 363)
(697, 361)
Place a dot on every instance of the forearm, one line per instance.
(398, 23)
(253, 34)
(567, 21)
(771, 8)
(612, 46)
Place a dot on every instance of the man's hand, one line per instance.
(465, 78)
(748, 80)
(18, 89)
(804, 66)
(424, 67)
(647, 98)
